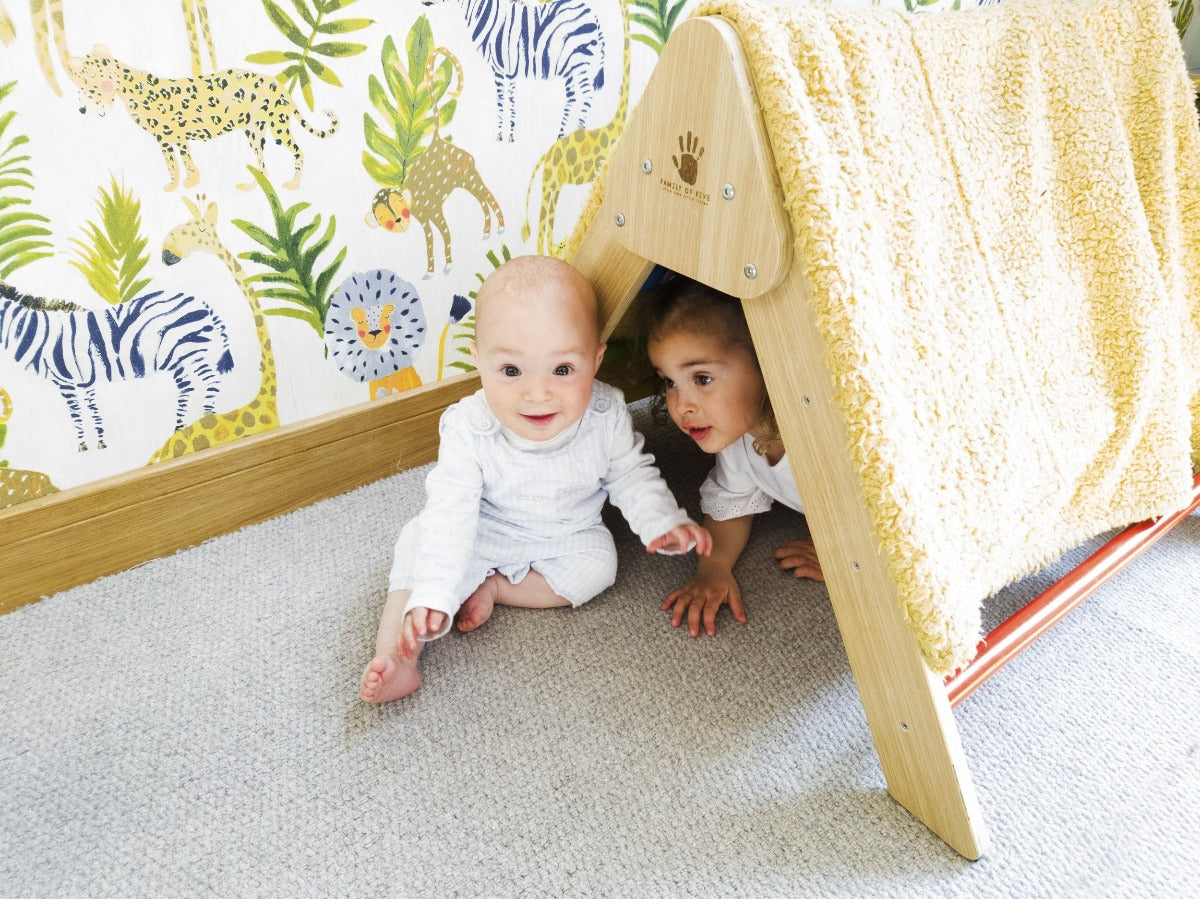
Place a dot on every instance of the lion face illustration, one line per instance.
(375, 325)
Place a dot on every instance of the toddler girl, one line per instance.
(700, 346)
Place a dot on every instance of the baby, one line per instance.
(512, 510)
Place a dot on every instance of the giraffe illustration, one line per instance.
(48, 26)
(576, 158)
(195, 17)
(256, 416)
(438, 172)
(18, 485)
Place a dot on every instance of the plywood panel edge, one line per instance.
(79, 535)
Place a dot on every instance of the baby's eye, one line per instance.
(510, 371)
(563, 370)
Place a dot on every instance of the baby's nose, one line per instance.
(537, 389)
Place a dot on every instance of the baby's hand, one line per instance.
(800, 557)
(420, 622)
(701, 598)
(681, 538)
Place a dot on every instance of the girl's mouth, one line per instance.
(698, 434)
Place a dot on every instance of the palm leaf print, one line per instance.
(658, 18)
(918, 5)
(113, 252)
(301, 65)
(21, 236)
(291, 266)
(410, 108)
(1182, 11)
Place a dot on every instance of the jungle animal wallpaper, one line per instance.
(220, 216)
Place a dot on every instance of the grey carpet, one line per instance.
(191, 728)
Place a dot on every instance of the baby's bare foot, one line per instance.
(478, 607)
(388, 678)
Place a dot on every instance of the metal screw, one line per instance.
(855, 566)
(806, 400)
(647, 165)
(620, 220)
(750, 271)
(726, 191)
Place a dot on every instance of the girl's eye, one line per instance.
(668, 383)
(563, 370)
(703, 380)
(510, 371)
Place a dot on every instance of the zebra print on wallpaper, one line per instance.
(75, 348)
(553, 39)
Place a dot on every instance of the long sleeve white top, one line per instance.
(483, 489)
(743, 483)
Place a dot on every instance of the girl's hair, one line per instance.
(681, 305)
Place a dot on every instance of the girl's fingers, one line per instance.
(736, 607)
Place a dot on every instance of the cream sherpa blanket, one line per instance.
(998, 212)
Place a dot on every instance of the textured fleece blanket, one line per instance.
(998, 213)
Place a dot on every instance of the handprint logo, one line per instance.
(688, 163)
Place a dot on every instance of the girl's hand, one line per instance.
(679, 540)
(420, 622)
(800, 557)
(701, 598)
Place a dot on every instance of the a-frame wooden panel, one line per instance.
(660, 209)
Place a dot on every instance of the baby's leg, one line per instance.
(390, 675)
(532, 593)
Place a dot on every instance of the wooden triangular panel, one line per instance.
(692, 182)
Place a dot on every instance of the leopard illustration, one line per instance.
(179, 110)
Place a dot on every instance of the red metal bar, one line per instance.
(1016, 633)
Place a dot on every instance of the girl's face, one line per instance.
(714, 391)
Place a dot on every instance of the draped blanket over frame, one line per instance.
(998, 216)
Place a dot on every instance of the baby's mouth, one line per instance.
(539, 419)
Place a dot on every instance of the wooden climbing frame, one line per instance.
(729, 229)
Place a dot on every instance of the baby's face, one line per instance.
(537, 356)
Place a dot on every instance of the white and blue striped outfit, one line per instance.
(495, 506)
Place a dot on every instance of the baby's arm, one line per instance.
(713, 584)
(800, 557)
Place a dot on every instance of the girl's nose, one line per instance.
(684, 401)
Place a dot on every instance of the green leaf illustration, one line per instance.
(291, 275)
(658, 18)
(22, 231)
(405, 101)
(297, 65)
(1182, 10)
(112, 252)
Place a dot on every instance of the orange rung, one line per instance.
(1001, 645)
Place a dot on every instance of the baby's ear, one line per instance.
(474, 353)
(600, 357)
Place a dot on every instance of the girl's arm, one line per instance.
(713, 584)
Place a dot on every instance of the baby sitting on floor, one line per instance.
(512, 511)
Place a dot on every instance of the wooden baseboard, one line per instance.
(72, 538)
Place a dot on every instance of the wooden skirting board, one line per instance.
(71, 538)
